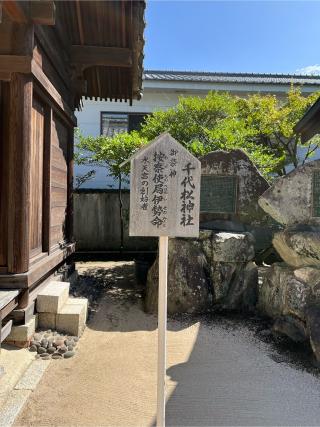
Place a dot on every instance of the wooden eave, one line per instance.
(106, 47)
(309, 124)
(101, 46)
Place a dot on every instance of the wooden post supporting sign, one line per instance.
(164, 202)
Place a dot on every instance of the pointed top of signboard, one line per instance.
(157, 140)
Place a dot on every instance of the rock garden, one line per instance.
(53, 345)
(258, 251)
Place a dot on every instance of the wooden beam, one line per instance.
(49, 88)
(15, 63)
(99, 55)
(43, 12)
(19, 172)
(5, 76)
(16, 10)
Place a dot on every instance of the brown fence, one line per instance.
(97, 222)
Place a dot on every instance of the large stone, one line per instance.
(47, 320)
(188, 283)
(308, 275)
(53, 297)
(271, 294)
(214, 270)
(71, 319)
(281, 293)
(291, 327)
(234, 285)
(290, 199)
(250, 185)
(313, 323)
(227, 247)
(298, 248)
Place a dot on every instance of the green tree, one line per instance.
(272, 123)
(261, 125)
(109, 153)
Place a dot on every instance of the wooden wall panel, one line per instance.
(36, 178)
(59, 182)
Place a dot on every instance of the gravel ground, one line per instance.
(221, 370)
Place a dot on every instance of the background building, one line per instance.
(162, 89)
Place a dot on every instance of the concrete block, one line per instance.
(53, 297)
(22, 333)
(71, 319)
(21, 316)
(47, 320)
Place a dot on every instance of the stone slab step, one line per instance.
(5, 330)
(22, 315)
(52, 297)
(72, 318)
(21, 335)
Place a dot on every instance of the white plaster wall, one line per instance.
(89, 124)
(160, 95)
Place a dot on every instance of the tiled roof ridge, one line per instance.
(230, 74)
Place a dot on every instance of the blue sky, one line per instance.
(231, 36)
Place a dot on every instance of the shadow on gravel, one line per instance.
(117, 280)
(238, 372)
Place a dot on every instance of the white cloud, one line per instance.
(310, 70)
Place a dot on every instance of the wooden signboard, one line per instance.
(164, 190)
(164, 202)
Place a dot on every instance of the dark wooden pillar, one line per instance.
(20, 128)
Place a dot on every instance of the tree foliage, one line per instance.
(108, 152)
(261, 125)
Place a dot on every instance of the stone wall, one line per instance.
(289, 292)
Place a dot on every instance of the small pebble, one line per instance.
(69, 342)
(47, 357)
(33, 348)
(62, 349)
(56, 356)
(68, 354)
(51, 350)
(70, 347)
(37, 337)
(41, 350)
(44, 343)
(44, 355)
(37, 356)
(59, 343)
